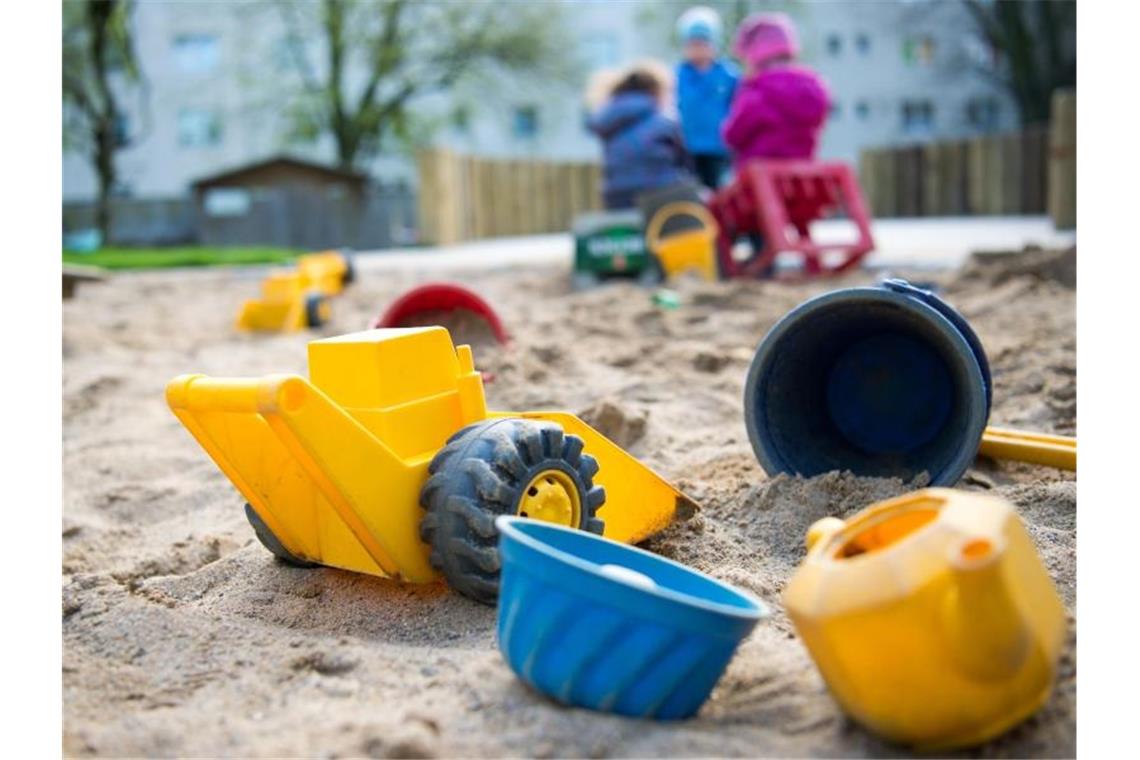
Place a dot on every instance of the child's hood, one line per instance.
(797, 93)
(621, 111)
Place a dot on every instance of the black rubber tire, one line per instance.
(349, 275)
(313, 303)
(270, 542)
(480, 474)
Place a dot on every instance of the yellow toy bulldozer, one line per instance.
(386, 461)
(297, 298)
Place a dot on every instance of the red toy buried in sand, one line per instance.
(436, 297)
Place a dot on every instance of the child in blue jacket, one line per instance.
(642, 147)
(705, 87)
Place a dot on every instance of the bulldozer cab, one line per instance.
(409, 387)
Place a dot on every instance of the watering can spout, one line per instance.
(986, 632)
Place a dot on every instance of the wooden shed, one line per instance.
(282, 201)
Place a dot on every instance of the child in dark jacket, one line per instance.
(642, 147)
(780, 107)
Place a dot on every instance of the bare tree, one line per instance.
(363, 63)
(96, 44)
(1035, 46)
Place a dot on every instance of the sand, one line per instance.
(182, 636)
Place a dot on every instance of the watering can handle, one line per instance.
(678, 208)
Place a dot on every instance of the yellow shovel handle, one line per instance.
(678, 208)
(1036, 448)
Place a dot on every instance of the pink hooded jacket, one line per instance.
(777, 113)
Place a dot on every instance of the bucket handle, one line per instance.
(678, 208)
(899, 285)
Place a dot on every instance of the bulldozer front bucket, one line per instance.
(328, 489)
(271, 316)
(639, 502)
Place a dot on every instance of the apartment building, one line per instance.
(215, 96)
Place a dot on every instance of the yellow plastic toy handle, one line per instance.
(678, 208)
(1036, 448)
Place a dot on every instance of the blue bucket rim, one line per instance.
(888, 293)
(754, 611)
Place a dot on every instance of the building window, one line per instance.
(196, 53)
(600, 49)
(834, 45)
(919, 50)
(862, 110)
(917, 116)
(980, 52)
(525, 122)
(199, 128)
(983, 112)
(227, 201)
(863, 44)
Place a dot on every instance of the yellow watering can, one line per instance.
(687, 249)
(930, 616)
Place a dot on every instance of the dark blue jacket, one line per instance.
(703, 99)
(642, 148)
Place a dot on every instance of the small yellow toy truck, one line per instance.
(298, 298)
(386, 461)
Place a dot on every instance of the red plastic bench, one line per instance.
(779, 200)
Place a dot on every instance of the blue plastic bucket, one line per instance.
(883, 381)
(598, 624)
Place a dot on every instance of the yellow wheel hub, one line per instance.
(551, 496)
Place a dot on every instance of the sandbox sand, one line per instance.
(182, 636)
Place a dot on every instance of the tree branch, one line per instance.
(387, 55)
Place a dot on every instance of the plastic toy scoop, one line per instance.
(598, 624)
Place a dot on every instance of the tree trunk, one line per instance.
(104, 160)
(99, 13)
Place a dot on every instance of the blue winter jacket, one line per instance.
(642, 148)
(703, 98)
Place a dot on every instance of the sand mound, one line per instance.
(997, 267)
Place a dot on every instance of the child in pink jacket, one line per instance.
(780, 107)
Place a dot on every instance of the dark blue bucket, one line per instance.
(883, 381)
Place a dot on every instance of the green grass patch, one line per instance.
(161, 258)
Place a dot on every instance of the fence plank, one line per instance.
(933, 180)
(1009, 149)
(1062, 184)
(1033, 172)
(954, 153)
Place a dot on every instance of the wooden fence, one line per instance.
(464, 197)
(992, 174)
(382, 217)
(1027, 172)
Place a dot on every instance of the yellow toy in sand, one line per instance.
(930, 616)
(1058, 451)
(298, 298)
(386, 461)
(690, 249)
